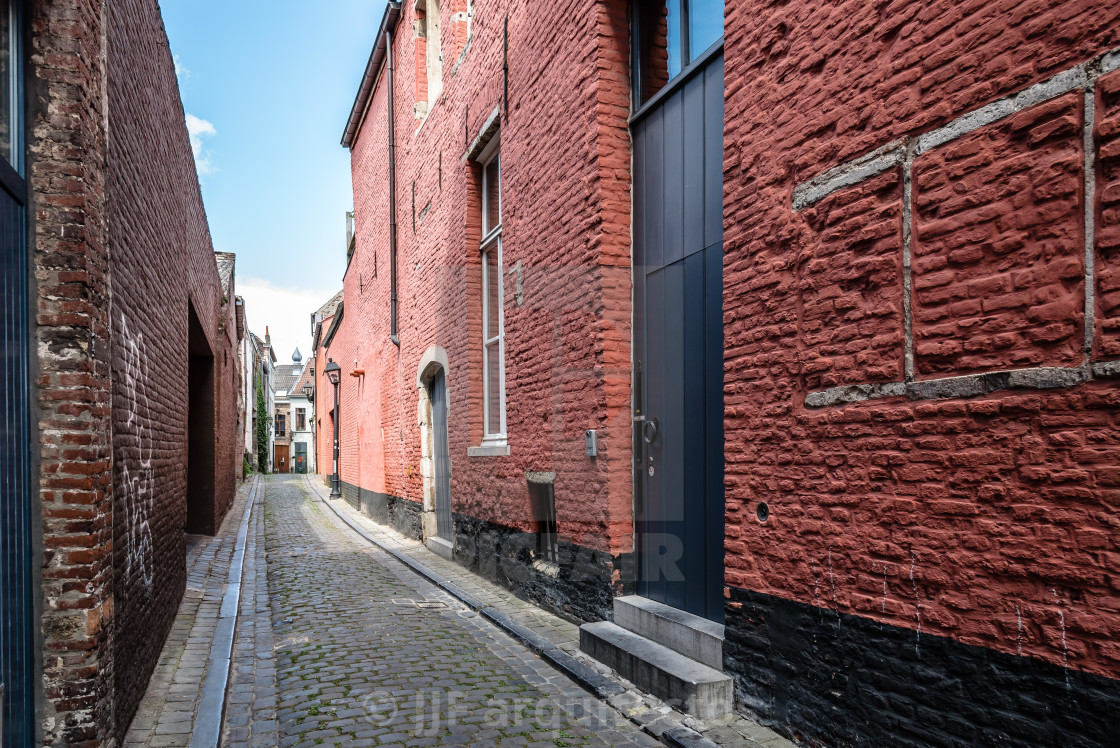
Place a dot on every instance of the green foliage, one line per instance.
(262, 427)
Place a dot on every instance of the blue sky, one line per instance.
(267, 87)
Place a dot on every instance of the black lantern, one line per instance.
(308, 392)
(334, 376)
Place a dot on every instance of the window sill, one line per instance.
(498, 450)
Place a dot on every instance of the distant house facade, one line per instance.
(264, 408)
(322, 322)
(284, 379)
(301, 399)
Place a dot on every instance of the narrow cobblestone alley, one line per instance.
(339, 644)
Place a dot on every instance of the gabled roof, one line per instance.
(328, 309)
(284, 376)
(321, 315)
(335, 322)
(305, 378)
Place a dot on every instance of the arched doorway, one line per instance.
(435, 456)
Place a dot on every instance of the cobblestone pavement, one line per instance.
(369, 654)
(339, 643)
(650, 713)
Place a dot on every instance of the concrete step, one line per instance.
(686, 684)
(695, 637)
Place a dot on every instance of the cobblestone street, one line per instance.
(338, 643)
(368, 654)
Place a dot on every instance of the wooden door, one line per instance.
(280, 462)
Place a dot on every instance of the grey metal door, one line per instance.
(16, 484)
(441, 457)
(678, 275)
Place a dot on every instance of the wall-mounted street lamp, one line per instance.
(309, 392)
(334, 376)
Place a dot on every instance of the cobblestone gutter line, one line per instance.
(557, 643)
(251, 696)
(211, 705)
(168, 713)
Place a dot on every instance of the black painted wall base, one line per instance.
(828, 678)
(400, 514)
(578, 587)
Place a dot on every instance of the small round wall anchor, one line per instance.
(763, 511)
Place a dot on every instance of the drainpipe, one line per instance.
(393, 336)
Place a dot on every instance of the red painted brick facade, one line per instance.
(565, 204)
(947, 516)
(921, 345)
(122, 252)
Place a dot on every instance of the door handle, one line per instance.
(651, 427)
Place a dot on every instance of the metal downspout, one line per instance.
(392, 198)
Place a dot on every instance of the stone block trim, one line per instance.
(986, 196)
(952, 501)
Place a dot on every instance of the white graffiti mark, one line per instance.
(817, 591)
(1019, 615)
(884, 618)
(917, 602)
(832, 583)
(135, 456)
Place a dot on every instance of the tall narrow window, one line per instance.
(670, 35)
(280, 425)
(301, 419)
(493, 324)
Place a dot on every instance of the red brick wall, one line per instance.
(1108, 228)
(946, 515)
(565, 158)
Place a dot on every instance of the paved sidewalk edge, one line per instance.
(602, 686)
(207, 732)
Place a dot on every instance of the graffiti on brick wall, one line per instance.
(135, 456)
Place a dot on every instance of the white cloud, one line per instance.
(286, 311)
(198, 129)
(181, 71)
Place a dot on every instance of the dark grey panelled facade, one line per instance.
(16, 486)
(678, 341)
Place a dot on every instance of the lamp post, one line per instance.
(334, 376)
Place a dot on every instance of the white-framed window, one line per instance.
(493, 301)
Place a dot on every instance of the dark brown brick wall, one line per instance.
(120, 247)
(162, 260)
(66, 169)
